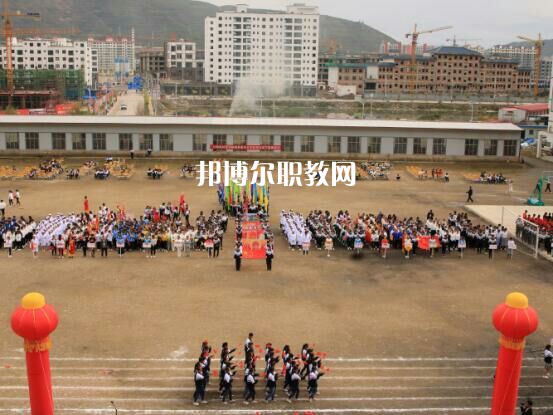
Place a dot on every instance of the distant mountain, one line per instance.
(155, 20)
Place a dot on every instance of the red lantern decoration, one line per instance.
(35, 320)
(515, 320)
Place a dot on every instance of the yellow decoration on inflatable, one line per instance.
(517, 300)
(32, 301)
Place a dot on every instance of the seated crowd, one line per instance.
(155, 173)
(377, 170)
(101, 173)
(492, 178)
(73, 174)
(46, 169)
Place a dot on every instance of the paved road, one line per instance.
(132, 99)
(429, 385)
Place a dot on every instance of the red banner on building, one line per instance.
(253, 240)
(240, 147)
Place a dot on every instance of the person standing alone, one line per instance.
(269, 255)
(237, 257)
(470, 192)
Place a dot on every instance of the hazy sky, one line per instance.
(491, 21)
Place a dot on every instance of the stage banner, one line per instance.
(253, 240)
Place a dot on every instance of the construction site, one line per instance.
(40, 88)
(22, 89)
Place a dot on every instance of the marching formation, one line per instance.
(307, 366)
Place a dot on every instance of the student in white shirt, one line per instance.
(271, 385)
(227, 386)
(548, 360)
(250, 388)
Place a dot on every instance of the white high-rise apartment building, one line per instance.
(112, 57)
(56, 54)
(551, 107)
(525, 55)
(273, 48)
(180, 54)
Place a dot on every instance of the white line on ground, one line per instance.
(98, 411)
(188, 378)
(333, 368)
(352, 399)
(329, 359)
(176, 389)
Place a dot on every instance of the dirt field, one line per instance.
(131, 327)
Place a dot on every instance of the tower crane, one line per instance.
(8, 32)
(538, 46)
(454, 40)
(414, 35)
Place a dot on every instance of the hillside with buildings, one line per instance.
(157, 20)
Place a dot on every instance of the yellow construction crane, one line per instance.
(8, 32)
(538, 46)
(414, 35)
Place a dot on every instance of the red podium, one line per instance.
(34, 320)
(515, 320)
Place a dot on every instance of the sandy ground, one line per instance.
(369, 309)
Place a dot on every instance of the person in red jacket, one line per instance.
(86, 207)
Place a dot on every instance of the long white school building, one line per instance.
(297, 136)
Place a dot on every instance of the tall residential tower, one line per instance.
(271, 49)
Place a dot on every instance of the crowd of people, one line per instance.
(376, 170)
(541, 232)
(492, 178)
(47, 169)
(435, 174)
(101, 173)
(154, 173)
(294, 369)
(167, 227)
(188, 170)
(15, 233)
(73, 174)
(380, 233)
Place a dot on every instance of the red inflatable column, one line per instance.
(34, 320)
(514, 320)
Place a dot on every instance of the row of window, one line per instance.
(287, 142)
(78, 141)
(374, 144)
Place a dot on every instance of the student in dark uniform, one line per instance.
(470, 192)
(526, 407)
(294, 390)
(199, 382)
(270, 389)
(269, 255)
(313, 379)
(227, 386)
(237, 257)
(250, 386)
